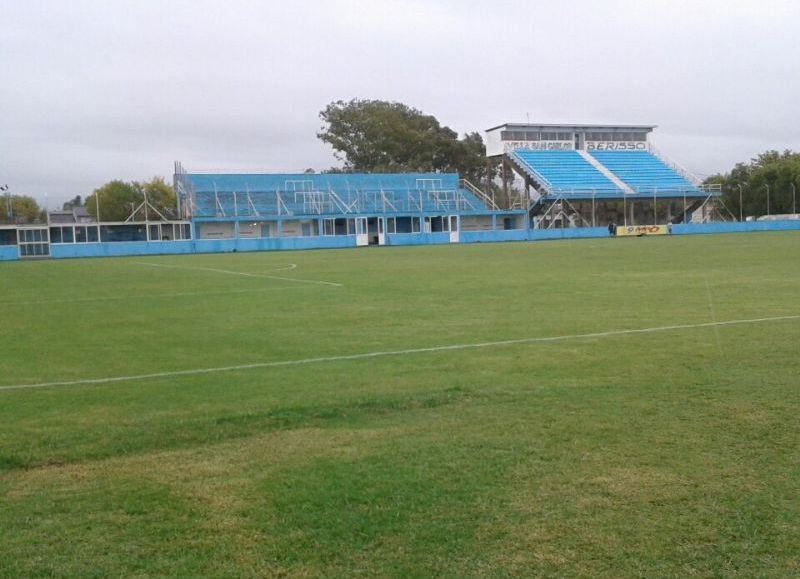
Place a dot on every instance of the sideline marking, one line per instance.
(713, 318)
(264, 275)
(287, 268)
(144, 296)
(367, 355)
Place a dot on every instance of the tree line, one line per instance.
(117, 201)
(767, 184)
(375, 136)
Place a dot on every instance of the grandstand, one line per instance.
(367, 206)
(573, 177)
(593, 175)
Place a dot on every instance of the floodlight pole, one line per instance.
(794, 198)
(767, 186)
(739, 185)
(97, 211)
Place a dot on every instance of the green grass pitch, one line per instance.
(667, 453)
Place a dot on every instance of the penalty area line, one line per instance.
(386, 353)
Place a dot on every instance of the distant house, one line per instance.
(81, 215)
(75, 215)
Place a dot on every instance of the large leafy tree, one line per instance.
(380, 136)
(118, 200)
(771, 171)
(19, 209)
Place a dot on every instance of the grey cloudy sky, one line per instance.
(96, 90)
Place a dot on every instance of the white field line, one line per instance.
(287, 268)
(230, 272)
(410, 351)
(713, 318)
(144, 296)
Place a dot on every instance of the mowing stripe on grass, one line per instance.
(146, 296)
(367, 355)
(230, 272)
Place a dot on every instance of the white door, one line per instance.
(453, 228)
(362, 237)
(381, 232)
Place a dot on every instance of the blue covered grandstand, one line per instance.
(375, 209)
(336, 194)
(594, 175)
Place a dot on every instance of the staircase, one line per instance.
(602, 168)
(542, 184)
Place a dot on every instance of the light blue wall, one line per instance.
(59, 251)
(200, 246)
(274, 243)
(578, 232)
(8, 252)
(109, 249)
(491, 236)
(735, 227)
(417, 238)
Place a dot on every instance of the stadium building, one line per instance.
(558, 181)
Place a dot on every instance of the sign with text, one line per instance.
(539, 145)
(637, 230)
(616, 146)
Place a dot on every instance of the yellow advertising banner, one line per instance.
(629, 230)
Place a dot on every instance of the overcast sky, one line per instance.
(96, 90)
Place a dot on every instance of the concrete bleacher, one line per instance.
(241, 195)
(566, 172)
(644, 172)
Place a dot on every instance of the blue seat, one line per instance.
(644, 172)
(567, 172)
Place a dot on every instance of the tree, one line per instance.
(381, 137)
(72, 203)
(118, 200)
(20, 209)
(770, 172)
(160, 196)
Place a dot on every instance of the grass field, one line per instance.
(603, 453)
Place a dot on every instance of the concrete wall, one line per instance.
(215, 230)
(476, 223)
(249, 229)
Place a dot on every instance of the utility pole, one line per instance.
(740, 201)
